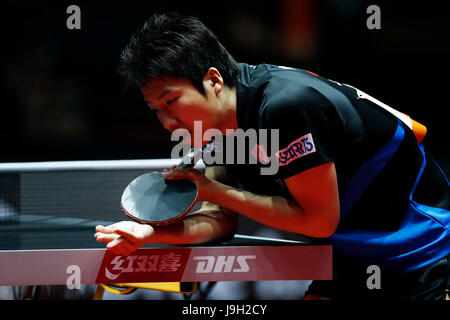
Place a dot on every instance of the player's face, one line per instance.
(178, 104)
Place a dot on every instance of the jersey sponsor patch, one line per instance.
(297, 149)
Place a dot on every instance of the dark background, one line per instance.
(61, 98)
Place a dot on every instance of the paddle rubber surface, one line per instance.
(150, 198)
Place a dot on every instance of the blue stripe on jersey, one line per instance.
(369, 170)
(423, 237)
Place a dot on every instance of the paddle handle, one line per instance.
(190, 159)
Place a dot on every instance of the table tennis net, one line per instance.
(69, 192)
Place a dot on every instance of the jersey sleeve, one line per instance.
(303, 119)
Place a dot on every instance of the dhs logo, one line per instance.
(219, 264)
(297, 149)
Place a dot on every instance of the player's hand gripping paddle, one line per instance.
(152, 199)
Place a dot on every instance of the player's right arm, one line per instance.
(209, 223)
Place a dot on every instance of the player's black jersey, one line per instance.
(380, 164)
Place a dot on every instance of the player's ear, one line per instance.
(213, 79)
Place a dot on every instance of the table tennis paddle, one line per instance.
(152, 199)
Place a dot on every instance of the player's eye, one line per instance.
(169, 102)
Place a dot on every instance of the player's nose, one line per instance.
(168, 121)
(170, 124)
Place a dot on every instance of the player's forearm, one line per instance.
(274, 211)
(201, 227)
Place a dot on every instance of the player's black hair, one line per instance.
(176, 46)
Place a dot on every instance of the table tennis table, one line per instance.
(40, 249)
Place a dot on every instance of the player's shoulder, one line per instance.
(290, 90)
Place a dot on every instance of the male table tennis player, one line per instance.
(349, 170)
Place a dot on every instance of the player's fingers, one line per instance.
(114, 242)
(116, 245)
(105, 237)
(100, 228)
(105, 229)
(166, 171)
(127, 233)
(122, 225)
(137, 234)
(179, 174)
